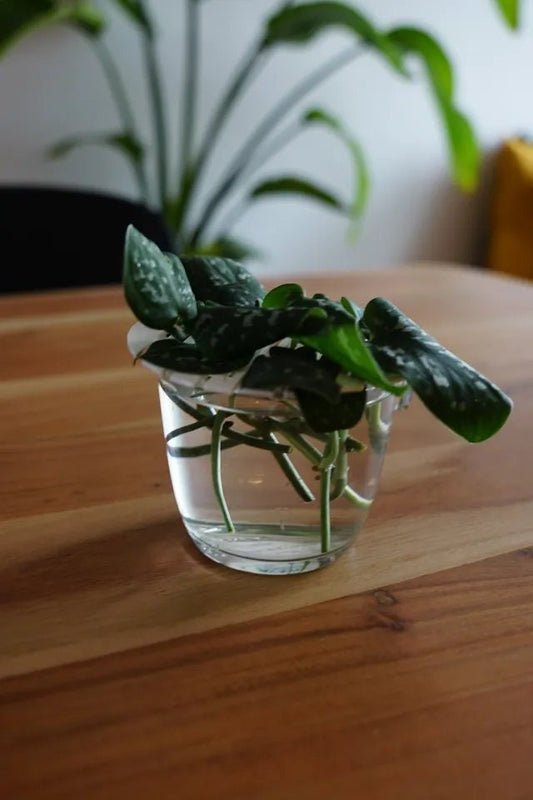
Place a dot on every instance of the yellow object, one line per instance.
(511, 224)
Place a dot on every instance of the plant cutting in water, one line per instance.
(320, 358)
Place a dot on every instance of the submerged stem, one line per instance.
(340, 472)
(291, 472)
(216, 476)
(325, 510)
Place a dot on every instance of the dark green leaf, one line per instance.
(170, 354)
(231, 332)
(289, 184)
(464, 151)
(510, 10)
(335, 311)
(292, 369)
(20, 17)
(361, 174)
(222, 281)
(281, 295)
(137, 13)
(453, 391)
(301, 23)
(341, 340)
(324, 417)
(351, 307)
(344, 344)
(155, 284)
(126, 143)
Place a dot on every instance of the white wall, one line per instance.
(51, 86)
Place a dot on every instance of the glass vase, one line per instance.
(258, 490)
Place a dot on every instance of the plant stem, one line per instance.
(315, 456)
(277, 143)
(194, 426)
(306, 448)
(261, 444)
(291, 472)
(340, 473)
(190, 176)
(377, 429)
(331, 451)
(280, 110)
(124, 108)
(159, 121)
(192, 30)
(356, 499)
(220, 418)
(325, 512)
(192, 172)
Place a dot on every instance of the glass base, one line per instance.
(267, 549)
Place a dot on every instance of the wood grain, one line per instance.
(93, 555)
(421, 691)
(211, 684)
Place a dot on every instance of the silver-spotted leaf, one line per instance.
(173, 355)
(222, 280)
(286, 368)
(324, 416)
(465, 401)
(155, 284)
(232, 332)
(342, 341)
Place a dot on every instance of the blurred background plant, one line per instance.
(168, 175)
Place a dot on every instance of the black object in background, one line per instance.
(61, 238)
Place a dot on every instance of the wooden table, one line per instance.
(135, 668)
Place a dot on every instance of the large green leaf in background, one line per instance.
(318, 116)
(295, 185)
(301, 23)
(464, 151)
(127, 144)
(452, 390)
(20, 17)
(291, 184)
(137, 13)
(510, 10)
(155, 284)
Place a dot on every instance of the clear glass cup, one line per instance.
(293, 508)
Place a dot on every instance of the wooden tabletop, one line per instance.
(134, 668)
